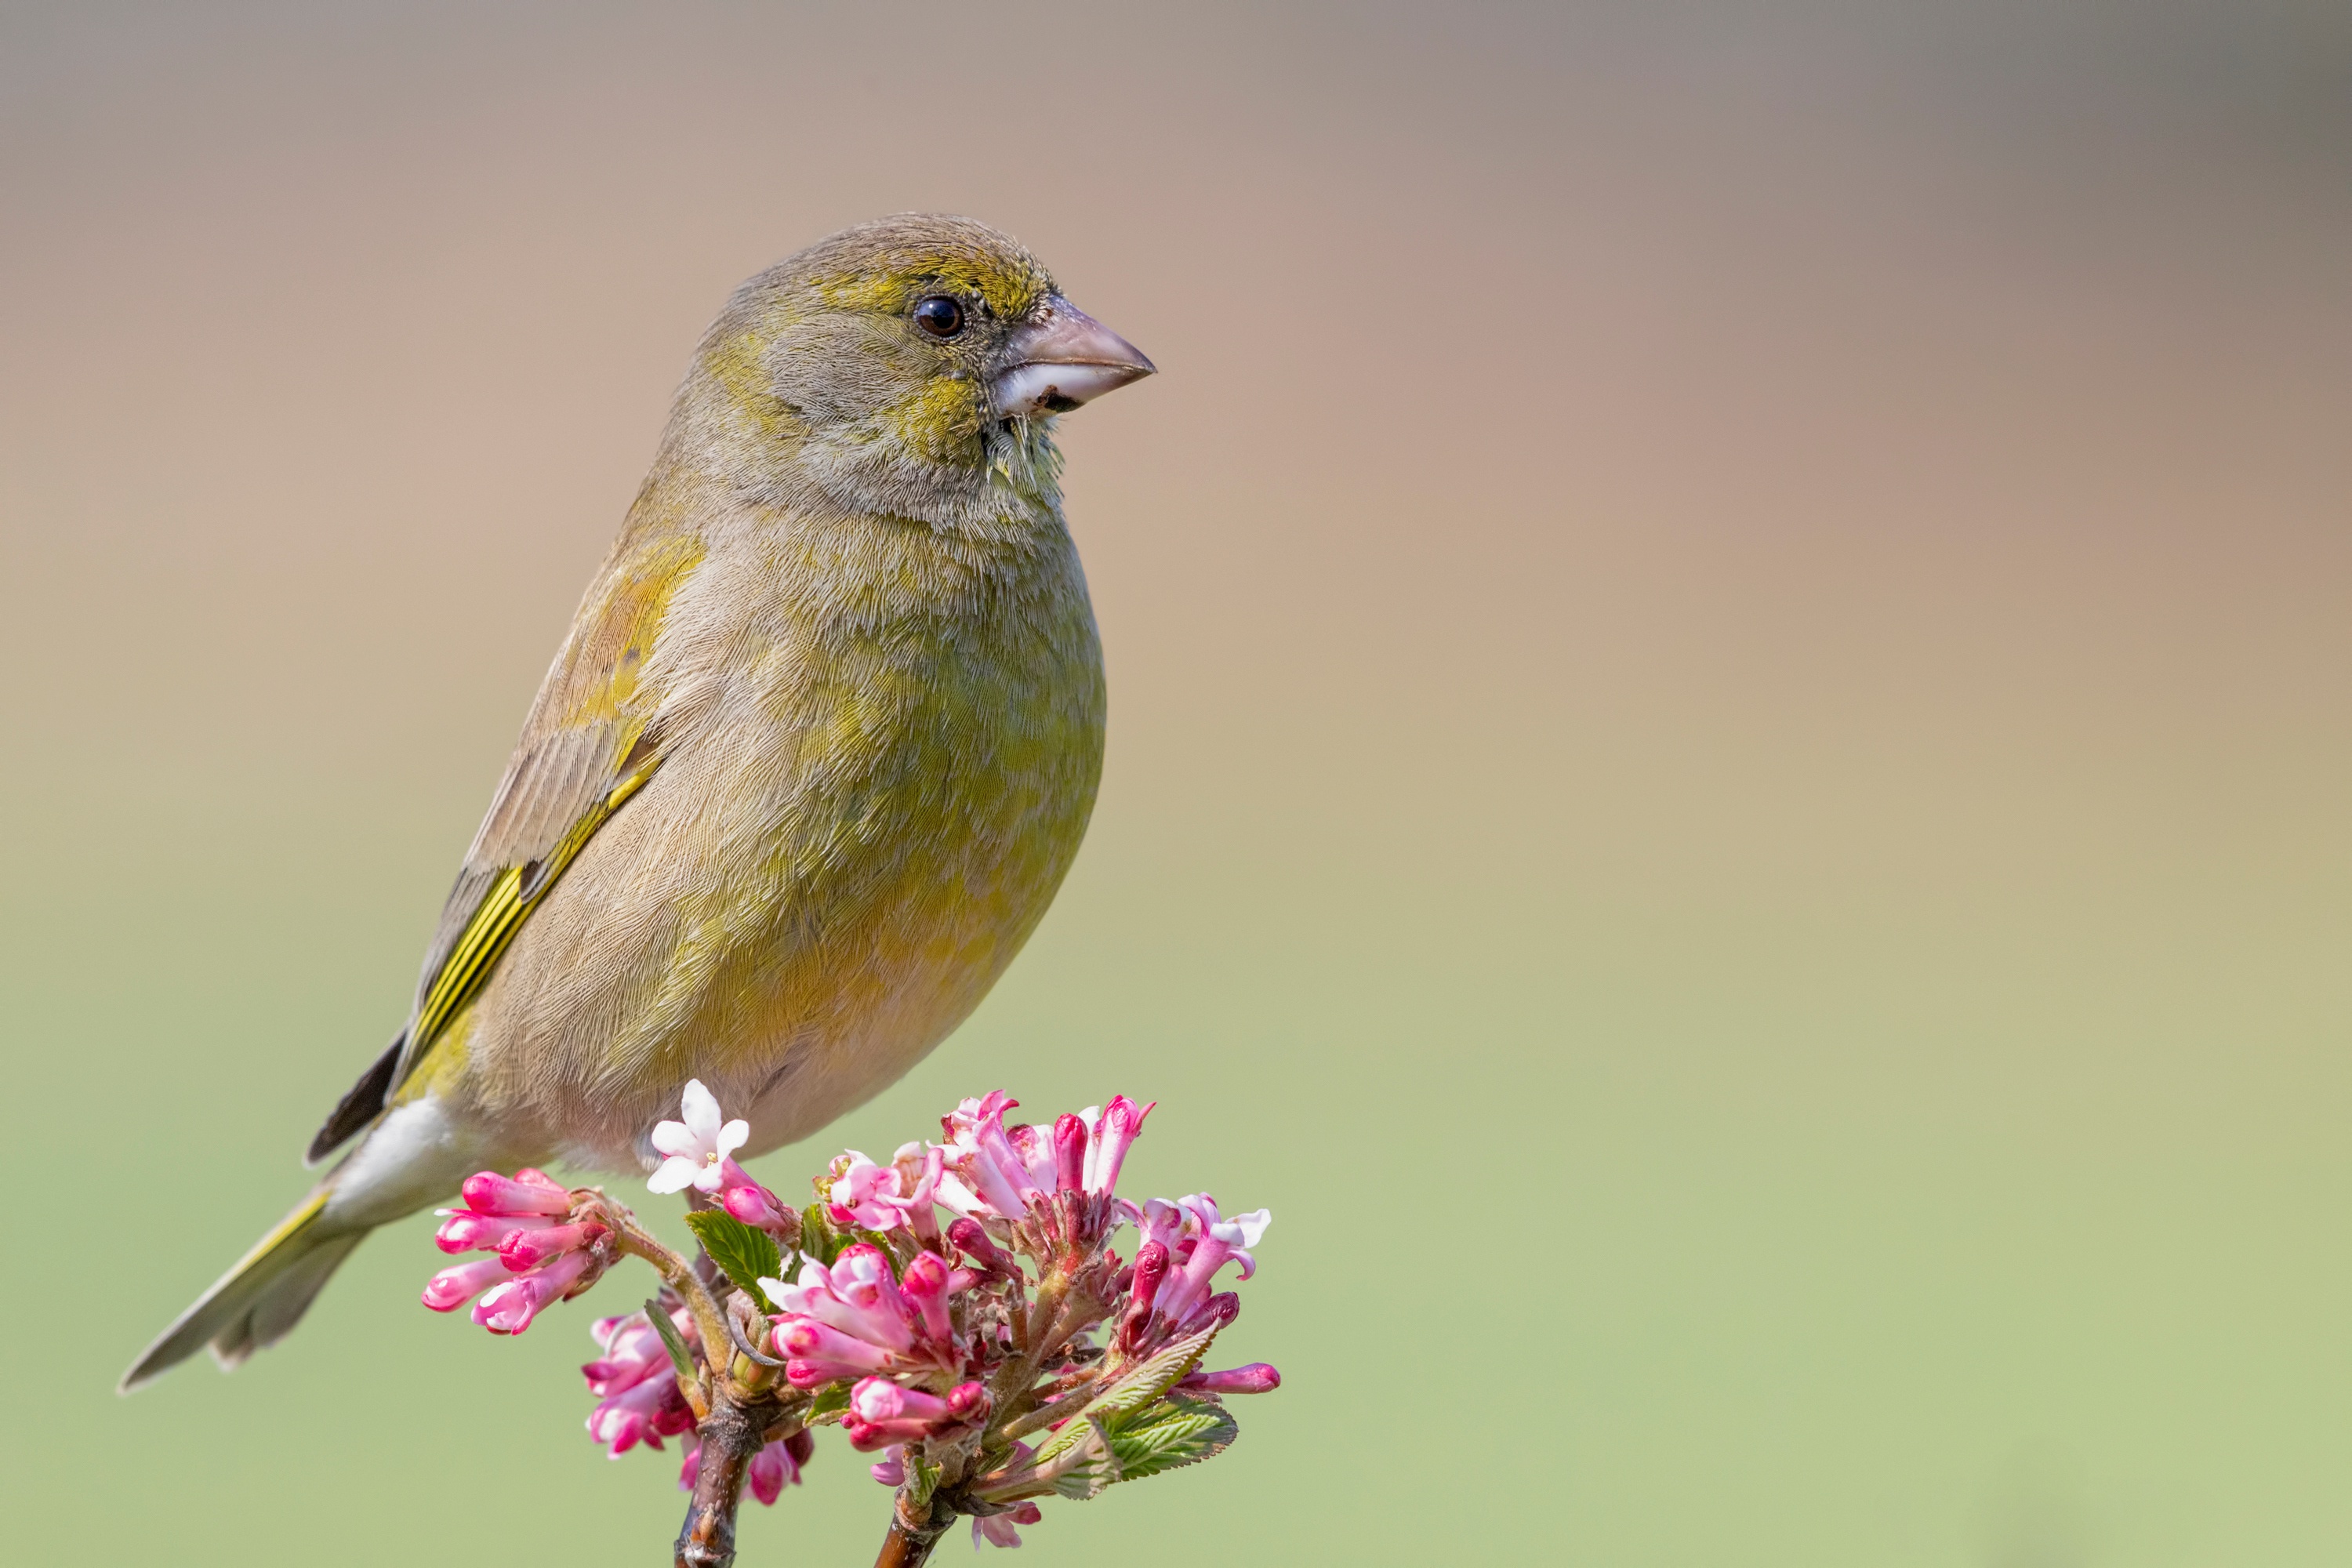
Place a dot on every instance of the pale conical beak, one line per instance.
(1059, 358)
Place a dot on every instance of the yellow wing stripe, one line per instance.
(500, 914)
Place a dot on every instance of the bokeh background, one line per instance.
(1729, 633)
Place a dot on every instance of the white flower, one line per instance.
(698, 1146)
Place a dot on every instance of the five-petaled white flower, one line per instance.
(698, 1146)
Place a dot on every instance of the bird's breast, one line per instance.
(846, 847)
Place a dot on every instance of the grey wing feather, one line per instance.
(548, 786)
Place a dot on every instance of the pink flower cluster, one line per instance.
(1184, 1245)
(992, 1171)
(942, 1342)
(538, 1257)
(855, 1320)
(1013, 1192)
(883, 1197)
(639, 1401)
(635, 1384)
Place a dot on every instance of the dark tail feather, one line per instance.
(363, 1105)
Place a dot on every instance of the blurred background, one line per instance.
(1729, 631)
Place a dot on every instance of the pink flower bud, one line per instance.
(1220, 1310)
(463, 1230)
(632, 1416)
(529, 1248)
(878, 1399)
(861, 1278)
(925, 1289)
(1069, 1153)
(771, 1469)
(486, 1192)
(753, 1204)
(969, 1236)
(996, 1529)
(508, 1308)
(1256, 1378)
(805, 1339)
(806, 1374)
(608, 1378)
(802, 1447)
(968, 1401)
(453, 1287)
(1150, 1269)
(892, 1470)
(882, 1411)
(867, 1437)
(1121, 1122)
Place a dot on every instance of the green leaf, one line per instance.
(922, 1479)
(1145, 1381)
(1175, 1433)
(1112, 1412)
(680, 1357)
(1060, 1441)
(1095, 1470)
(829, 1403)
(818, 1238)
(1131, 1390)
(745, 1252)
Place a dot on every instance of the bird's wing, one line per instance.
(591, 741)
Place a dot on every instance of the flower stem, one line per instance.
(710, 1323)
(1068, 1400)
(1043, 1336)
(732, 1434)
(910, 1543)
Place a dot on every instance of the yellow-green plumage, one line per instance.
(817, 752)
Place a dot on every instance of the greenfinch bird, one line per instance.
(811, 762)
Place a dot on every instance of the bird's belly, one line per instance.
(796, 944)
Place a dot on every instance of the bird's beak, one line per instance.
(1059, 358)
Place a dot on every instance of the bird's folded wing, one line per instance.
(591, 741)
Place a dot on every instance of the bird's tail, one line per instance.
(258, 1300)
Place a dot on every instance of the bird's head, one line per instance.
(911, 366)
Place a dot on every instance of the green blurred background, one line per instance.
(1729, 633)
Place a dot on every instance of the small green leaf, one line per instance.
(818, 1238)
(680, 1357)
(831, 1403)
(1148, 1380)
(1060, 1441)
(1097, 1469)
(1173, 1434)
(1176, 1432)
(922, 1479)
(745, 1252)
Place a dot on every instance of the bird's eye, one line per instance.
(940, 316)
